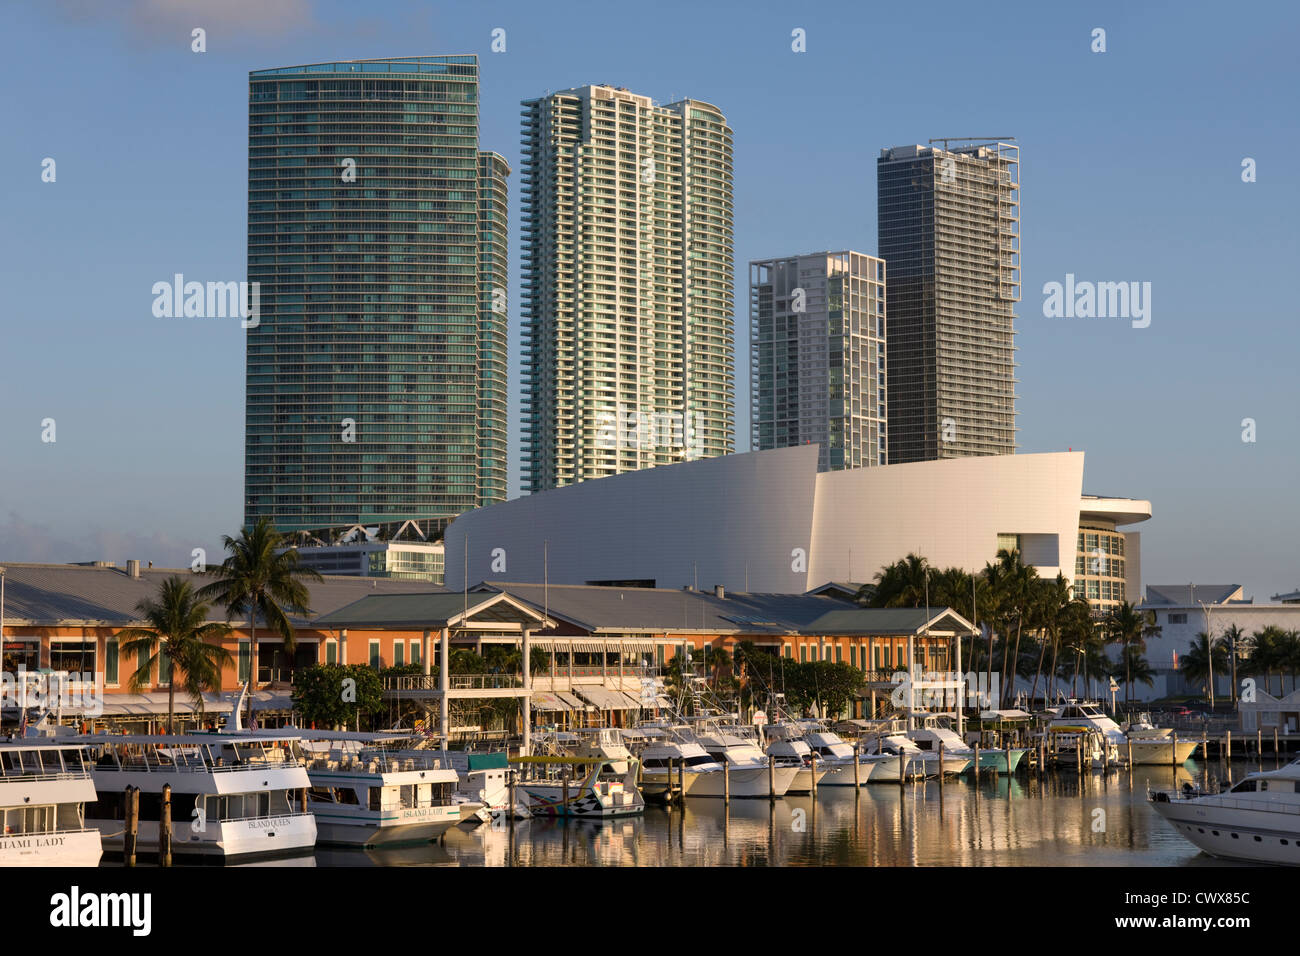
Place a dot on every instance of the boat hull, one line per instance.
(997, 760)
(225, 839)
(1159, 751)
(1230, 833)
(841, 774)
(374, 831)
(68, 848)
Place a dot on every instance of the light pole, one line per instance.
(1209, 650)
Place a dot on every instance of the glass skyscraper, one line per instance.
(376, 375)
(628, 295)
(817, 356)
(949, 229)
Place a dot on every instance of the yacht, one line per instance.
(787, 746)
(367, 790)
(1258, 820)
(44, 789)
(1150, 745)
(235, 795)
(745, 761)
(836, 754)
(895, 756)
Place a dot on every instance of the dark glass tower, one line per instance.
(949, 229)
(376, 377)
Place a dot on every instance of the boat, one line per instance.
(786, 745)
(747, 764)
(44, 789)
(369, 790)
(837, 755)
(934, 731)
(895, 757)
(1149, 745)
(1257, 821)
(233, 795)
(595, 791)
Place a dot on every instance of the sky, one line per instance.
(1131, 170)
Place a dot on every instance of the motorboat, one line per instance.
(744, 761)
(935, 731)
(233, 795)
(44, 788)
(1258, 820)
(588, 787)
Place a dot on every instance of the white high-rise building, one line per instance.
(628, 285)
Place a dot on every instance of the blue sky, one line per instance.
(1131, 171)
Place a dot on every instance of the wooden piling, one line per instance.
(165, 827)
(131, 831)
(1259, 744)
(510, 807)
(902, 768)
(1008, 756)
(813, 769)
(771, 780)
(941, 768)
(857, 767)
(681, 778)
(726, 782)
(977, 762)
(565, 805)
(1173, 756)
(1277, 755)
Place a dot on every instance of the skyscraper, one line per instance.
(817, 356)
(628, 271)
(949, 229)
(376, 375)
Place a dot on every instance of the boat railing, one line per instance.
(44, 776)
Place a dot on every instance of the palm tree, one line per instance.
(1051, 600)
(1128, 626)
(1137, 669)
(1266, 653)
(261, 578)
(177, 629)
(1195, 664)
(1234, 637)
(1076, 629)
(901, 584)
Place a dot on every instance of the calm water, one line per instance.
(1052, 822)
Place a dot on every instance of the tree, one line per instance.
(1195, 664)
(261, 577)
(1234, 637)
(177, 629)
(1129, 627)
(1136, 669)
(334, 695)
(901, 584)
(1267, 653)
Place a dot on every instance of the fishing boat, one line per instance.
(44, 789)
(895, 756)
(786, 745)
(745, 761)
(1149, 745)
(368, 789)
(233, 796)
(934, 731)
(587, 787)
(1258, 820)
(836, 754)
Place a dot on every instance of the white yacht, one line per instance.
(369, 790)
(836, 754)
(1258, 820)
(894, 756)
(1150, 745)
(44, 789)
(233, 795)
(786, 745)
(747, 765)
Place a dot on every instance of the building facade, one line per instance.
(770, 521)
(628, 296)
(376, 372)
(817, 354)
(949, 228)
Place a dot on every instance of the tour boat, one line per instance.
(44, 789)
(368, 790)
(233, 795)
(1258, 820)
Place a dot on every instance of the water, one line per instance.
(1102, 820)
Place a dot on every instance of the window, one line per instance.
(164, 667)
(1177, 618)
(415, 651)
(72, 657)
(110, 661)
(331, 652)
(399, 653)
(803, 653)
(375, 660)
(245, 660)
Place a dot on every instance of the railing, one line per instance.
(44, 777)
(430, 682)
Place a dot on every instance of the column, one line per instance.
(444, 683)
(528, 687)
(426, 656)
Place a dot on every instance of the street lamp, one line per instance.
(1209, 649)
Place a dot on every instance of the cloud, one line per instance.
(28, 543)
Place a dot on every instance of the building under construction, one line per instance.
(949, 229)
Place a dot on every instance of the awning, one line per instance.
(605, 699)
(544, 701)
(575, 703)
